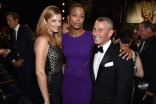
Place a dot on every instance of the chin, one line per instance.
(77, 28)
(56, 31)
(96, 42)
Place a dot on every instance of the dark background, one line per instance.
(30, 11)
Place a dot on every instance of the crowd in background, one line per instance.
(50, 48)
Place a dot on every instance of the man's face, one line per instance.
(143, 32)
(101, 33)
(11, 22)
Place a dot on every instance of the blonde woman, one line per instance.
(48, 52)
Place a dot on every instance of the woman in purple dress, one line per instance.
(77, 48)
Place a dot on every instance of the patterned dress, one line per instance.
(53, 70)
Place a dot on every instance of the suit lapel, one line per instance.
(91, 66)
(148, 43)
(145, 47)
(105, 59)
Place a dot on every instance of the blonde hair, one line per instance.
(42, 30)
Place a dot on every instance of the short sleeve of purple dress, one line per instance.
(77, 85)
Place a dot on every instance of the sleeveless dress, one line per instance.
(77, 85)
(53, 70)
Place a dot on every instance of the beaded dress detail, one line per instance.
(54, 60)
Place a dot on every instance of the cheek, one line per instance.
(50, 24)
(93, 33)
(82, 20)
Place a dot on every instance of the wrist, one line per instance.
(47, 101)
(13, 61)
(22, 60)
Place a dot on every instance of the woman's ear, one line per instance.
(45, 22)
(67, 17)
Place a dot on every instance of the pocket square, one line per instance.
(108, 64)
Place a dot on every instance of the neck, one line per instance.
(16, 26)
(75, 33)
(101, 45)
(151, 35)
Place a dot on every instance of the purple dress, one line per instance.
(77, 85)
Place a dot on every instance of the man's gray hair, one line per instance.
(109, 21)
(149, 24)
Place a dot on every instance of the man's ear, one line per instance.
(45, 22)
(110, 33)
(149, 29)
(16, 20)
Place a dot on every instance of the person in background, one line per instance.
(22, 54)
(126, 36)
(146, 90)
(114, 36)
(65, 27)
(138, 39)
(48, 60)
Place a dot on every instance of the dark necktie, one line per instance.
(14, 37)
(99, 49)
(142, 47)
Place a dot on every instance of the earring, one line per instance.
(68, 24)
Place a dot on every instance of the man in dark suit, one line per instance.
(148, 57)
(112, 77)
(22, 54)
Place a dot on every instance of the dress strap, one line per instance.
(135, 58)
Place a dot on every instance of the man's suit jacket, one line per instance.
(114, 83)
(24, 47)
(148, 59)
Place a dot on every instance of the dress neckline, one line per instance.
(78, 36)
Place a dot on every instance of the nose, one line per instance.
(139, 32)
(58, 23)
(78, 18)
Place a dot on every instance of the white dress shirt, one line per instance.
(16, 29)
(98, 58)
(138, 43)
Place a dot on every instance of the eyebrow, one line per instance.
(77, 13)
(100, 28)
